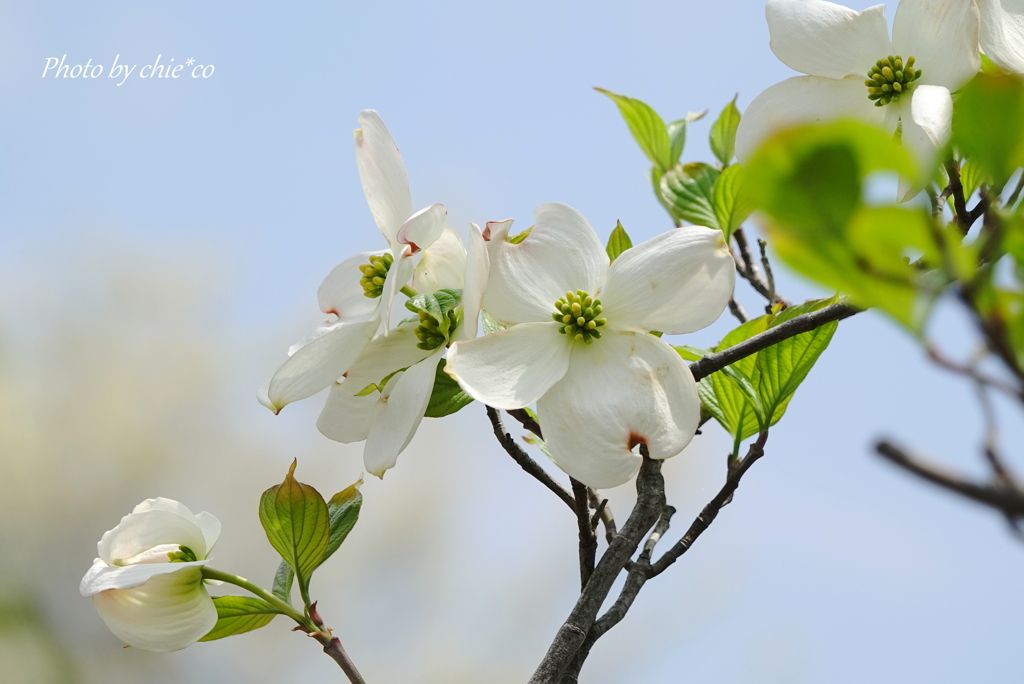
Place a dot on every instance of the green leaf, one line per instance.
(436, 305)
(647, 128)
(343, 509)
(688, 193)
(731, 203)
(618, 242)
(489, 324)
(677, 134)
(809, 180)
(751, 395)
(972, 177)
(239, 614)
(298, 526)
(987, 128)
(691, 353)
(723, 133)
(447, 397)
(283, 579)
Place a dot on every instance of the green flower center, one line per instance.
(182, 555)
(578, 312)
(374, 274)
(429, 332)
(890, 78)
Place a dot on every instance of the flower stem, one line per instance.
(210, 573)
(332, 645)
(408, 291)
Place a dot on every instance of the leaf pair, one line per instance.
(751, 395)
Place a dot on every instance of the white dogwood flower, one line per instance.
(360, 291)
(147, 583)
(853, 69)
(383, 396)
(1002, 32)
(577, 340)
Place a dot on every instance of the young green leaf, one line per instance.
(677, 134)
(283, 578)
(723, 133)
(298, 526)
(436, 305)
(239, 614)
(446, 397)
(731, 202)
(343, 509)
(688, 193)
(618, 242)
(987, 127)
(972, 177)
(647, 128)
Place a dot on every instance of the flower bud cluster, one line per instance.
(890, 78)
(579, 312)
(374, 274)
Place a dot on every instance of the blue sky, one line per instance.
(829, 565)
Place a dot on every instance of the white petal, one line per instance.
(561, 253)
(319, 363)
(805, 99)
(403, 401)
(477, 267)
(398, 276)
(142, 530)
(382, 172)
(825, 39)
(342, 295)
(104, 577)
(942, 36)
(677, 282)
(346, 417)
(167, 613)
(423, 228)
(1002, 32)
(443, 264)
(624, 389)
(211, 529)
(927, 127)
(511, 368)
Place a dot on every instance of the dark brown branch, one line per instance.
(588, 539)
(525, 462)
(638, 573)
(800, 324)
(570, 637)
(1000, 496)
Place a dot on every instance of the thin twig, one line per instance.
(588, 539)
(1012, 199)
(768, 274)
(799, 324)
(1008, 500)
(956, 191)
(526, 420)
(748, 270)
(525, 462)
(710, 512)
(971, 371)
(604, 511)
(737, 310)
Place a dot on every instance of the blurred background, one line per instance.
(161, 243)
